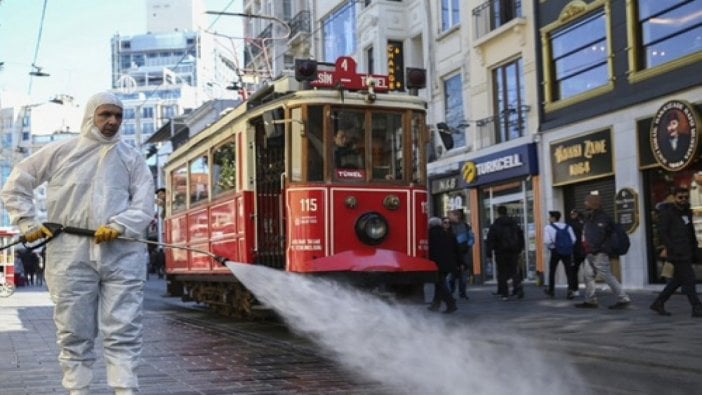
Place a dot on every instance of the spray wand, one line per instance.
(57, 229)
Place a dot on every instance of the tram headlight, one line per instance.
(372, 228)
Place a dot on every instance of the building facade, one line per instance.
(620, 79)
(176, 65)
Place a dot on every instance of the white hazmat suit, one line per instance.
(92, 181)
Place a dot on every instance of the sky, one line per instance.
(75, 42)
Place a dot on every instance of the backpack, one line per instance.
(564, 244)
(465, 239)
(510, 238)
(619, 240)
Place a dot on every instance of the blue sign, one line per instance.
(500, 166)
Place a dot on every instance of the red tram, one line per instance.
(320, 181)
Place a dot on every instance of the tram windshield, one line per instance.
(358, 146)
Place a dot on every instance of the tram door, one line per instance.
(270, 167)
(518, 198)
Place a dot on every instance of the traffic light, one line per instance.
(416, 79)
(305, 70)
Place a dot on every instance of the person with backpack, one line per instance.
(677, 232)
(505, 239)
(560, 241)
(597, 234)
(466, 239)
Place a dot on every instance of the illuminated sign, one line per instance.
(516, 162)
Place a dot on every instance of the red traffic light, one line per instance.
(416, 78)
(305, 70)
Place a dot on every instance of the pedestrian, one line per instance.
(597, 231)
(505, 239)
(559, 239)
(465, 238)
(443, 250)
(31, 263)
(41, 267)
(576, 222)
(677, 232)
(95, 181)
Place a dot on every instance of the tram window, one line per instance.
(349, 146)
(179, 188)
(296, 143)
(224, 168)
(417, 147)
(199, 179)
(315, 150)
(387, 147)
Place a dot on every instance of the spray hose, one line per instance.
(57, 229)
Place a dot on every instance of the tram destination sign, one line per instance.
(343, 74)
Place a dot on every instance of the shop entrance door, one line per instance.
(519, 199)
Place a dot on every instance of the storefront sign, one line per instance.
(445, 184)
(582, 158)
(516, 162)
(626, 209)
(673, 135)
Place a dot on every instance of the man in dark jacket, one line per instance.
(597, 230)
(443, 250)
(677, 233)
(506, 240)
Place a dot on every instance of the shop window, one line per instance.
(224, 168)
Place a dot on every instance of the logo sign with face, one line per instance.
(674, 135)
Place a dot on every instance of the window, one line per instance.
(386, 147)
(453, 112)
(509, 101)
(179, 188)
(580, 56)
(224, 168)
(369, 60)
(128, 129)
(348, 139)
(128, 113)
(668, 30)
(199, 179)
(147, 112)
(450, 14)
(339, 32)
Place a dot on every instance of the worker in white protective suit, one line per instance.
(95, 181)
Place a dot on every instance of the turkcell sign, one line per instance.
(501, 166)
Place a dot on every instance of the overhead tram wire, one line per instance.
(36, 50)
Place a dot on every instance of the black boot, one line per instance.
(657, 306)
(697, 311)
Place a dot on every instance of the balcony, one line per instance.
(495, 13)
(256, 44)
(496, 129)
(300, 27)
